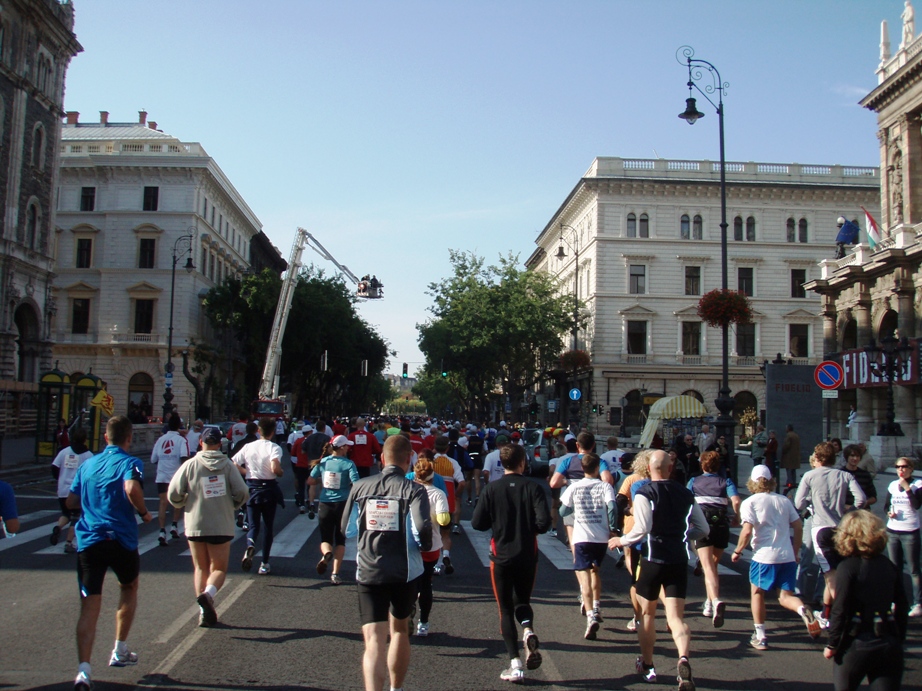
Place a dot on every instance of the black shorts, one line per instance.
(377, 600)
(95, 560)
(651, 577)
(162, 487)
(70, 514)
(588, 554)
(824, 545)
(477, 460)
(211, 539)
(718, 538)
(330, 518)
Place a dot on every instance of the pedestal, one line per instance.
(886, 450)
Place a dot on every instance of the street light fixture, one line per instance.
(888, 361)
(561, 255)
(725, 423)
(178, 250)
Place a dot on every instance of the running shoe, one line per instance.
(240, 519)
(916, 611)
(209, 615)
(324, 561)
(632, 624)
(422, 629)
(532, 656)
(247, 562)
(514, 673)
(69, 548)
(824, 622)
(684, 675)
(592, 628)
(708, 609)
(55, 534)
(719, 608)
(311, 512)
(302, 510)
(597, 613)
(162, 538)
(758, 643)
(456, 529)
(446, 564)
(552, 533)
(264, 569)
(437, 570)
(648, 674)
(174, 532)
(83, 682)
(335, 579)
(813, 626)
(125, 660)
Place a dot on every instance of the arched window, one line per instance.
(140, 397)
(685, 227)
(697, 226)
(738, 228)
(743, 401)
(631, 226)
(694, 394)
(850, 335)
(802, 230)
(888, 325)
(38, 147)
(792, 228)
(31, 226)
(633, 410)
(644, 230)
(751, 229)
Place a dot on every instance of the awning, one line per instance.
(670, 408)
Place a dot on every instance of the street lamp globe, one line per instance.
(691, 114)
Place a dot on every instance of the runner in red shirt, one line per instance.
(365, 448)
(301, 466)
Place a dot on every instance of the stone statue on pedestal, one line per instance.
(909, 24)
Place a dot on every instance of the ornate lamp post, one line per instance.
(888, 361)
(725, 423)
(182, 245)
(561, 255)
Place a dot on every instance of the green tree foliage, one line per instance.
(493, 325)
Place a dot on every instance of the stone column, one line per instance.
(865, 422)
(904, 403)
(912, 169)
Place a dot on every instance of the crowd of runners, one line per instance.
(648, 510)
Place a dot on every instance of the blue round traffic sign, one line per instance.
(829, 375)
(575, 394)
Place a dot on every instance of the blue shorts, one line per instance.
(767, 577)
(588, 554)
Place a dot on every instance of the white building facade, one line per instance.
(647, 233)
(128, 192)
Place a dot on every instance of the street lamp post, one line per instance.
(696, 72)
(561, 255)
(178, 250)
(888, 361)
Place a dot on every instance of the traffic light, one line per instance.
(533, 409)
(595, 408)
(405, 372)
(444, 370)
(444, 373)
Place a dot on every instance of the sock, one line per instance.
(211, 591)
(516, 663)
(760, 630)
(174, 526)
(827, 609)
(85, 668)
(445, 553)
(802, 610)
(121, 647)
(596, 604)
(646, 666)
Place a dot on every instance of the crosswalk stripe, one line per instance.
(557, 552)
(35, 515)
(289, 542)
(479, 540)
(42, 531)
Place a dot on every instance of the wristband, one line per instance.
(738, 553)
(142, 515)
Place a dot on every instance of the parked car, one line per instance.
(538, 451)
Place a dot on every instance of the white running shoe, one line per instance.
(592, 628)
(719, 608)
(532, 656)
(824, 622)
(125, 660)
(422, 629)
(515, 673)
(758, 643)
(83, 682)
(708, 609)
(648, 674)
(632, 625)
(264, 569)
(916, 611)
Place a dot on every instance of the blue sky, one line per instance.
(395, 130)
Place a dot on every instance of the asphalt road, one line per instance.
(295, 630)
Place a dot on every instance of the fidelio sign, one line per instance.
(856, 364)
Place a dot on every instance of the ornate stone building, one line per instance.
(876, 291)
(648, 238)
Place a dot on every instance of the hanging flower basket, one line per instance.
(720, 308)
(575, 359)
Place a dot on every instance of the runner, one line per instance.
(108, 490)
(300, 466)
(336, 474)
(475, 449)
(592, 503)
(365, 450)
(640, 476)
(209, 488)
(904, 498)
(238, 430)
(64, 468)
(517, 512)
(169, 453)
(441, 516)
(449, 469)
(313, 448)
(715, 495)
(492, 465)
(768, 519)
(665, 515)
(390, 516)
(261, 463)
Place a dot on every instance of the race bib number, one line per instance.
(361, 439)
(71, 462)
(331, 480)
(382, 515)
(214, 486)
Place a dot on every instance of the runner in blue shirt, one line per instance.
(335, 473)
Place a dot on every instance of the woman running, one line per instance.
(438, 508)
(336, 473)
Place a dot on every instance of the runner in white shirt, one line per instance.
(904, 498)
(238, 431)
(193, 436)
(169, 453)
(64, 468)
(613, 455)
(492, 467)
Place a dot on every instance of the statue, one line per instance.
(909, 24)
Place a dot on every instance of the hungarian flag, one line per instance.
(872, 229)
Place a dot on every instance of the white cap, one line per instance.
(502, 423)
(307, 428)
(339, 440)
(569, 436)
(760, 471)
(463, 442)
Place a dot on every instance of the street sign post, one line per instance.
(829, 376)
(575, 394)
(168, 379)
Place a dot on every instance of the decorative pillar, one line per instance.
(904, 402)
(865, 420)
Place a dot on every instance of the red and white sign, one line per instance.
(829, 375)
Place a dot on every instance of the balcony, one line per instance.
(746, 361)
(66, 337)
(132, 337)
(636, 359)
(690, 359)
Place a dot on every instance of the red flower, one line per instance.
(723, 307)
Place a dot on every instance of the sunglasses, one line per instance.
(901, 467)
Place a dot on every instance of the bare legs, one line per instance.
(377, 661)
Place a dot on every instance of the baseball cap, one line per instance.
(340, 440)
(307, 428)
(502, 439)
(463, 442)
(212, 435)
(760, 472)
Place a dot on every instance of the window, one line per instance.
(212, 215)
(31, 226)
(697, 228)
(798, 278)
(693, 280)
(205, 208)
(637, 338)
(151, 198)
(638, 283)
(38, 148)
(211, 266)
(631, 226)
(802, 230)
(203, 265)
(751, 229)
(745, 282)
(738, 228)
(644, 230)
(798, 335)
(80, 316)
(691, 338)
(88, 199)
(147, 253)
(685, 227)
(144, 316)
(746, 340)
(791, 230)
(84, 253)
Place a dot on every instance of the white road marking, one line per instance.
(289, 542)
(557, 552)
(35, 515)
(480, 541)
(184, 619)
(42, 531)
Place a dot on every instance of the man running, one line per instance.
(312, 448)
(64, 468)
(665, 516)
(169, 453)
(386, 511)
(365, 448)
(108, 490)
(517, 512)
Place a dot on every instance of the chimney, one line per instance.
(72, 117)
(142, 117)
(104, 117)
(152, 125)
